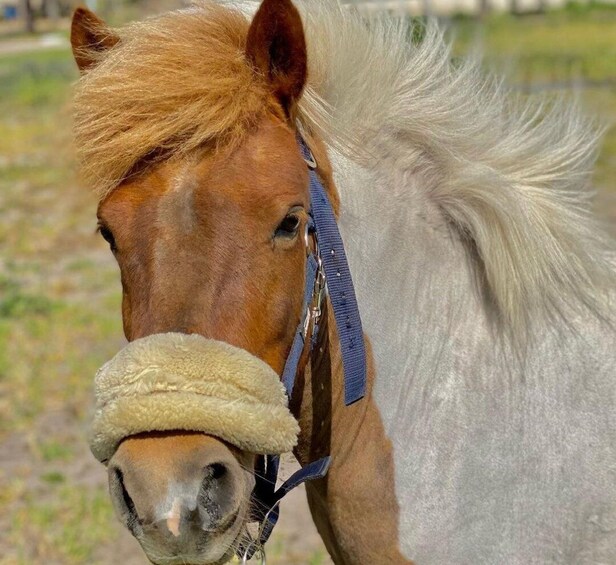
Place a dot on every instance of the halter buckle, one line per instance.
(314, 311)
(320, 288)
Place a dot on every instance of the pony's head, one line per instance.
(185, 126)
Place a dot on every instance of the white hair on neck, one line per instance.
(511, 175)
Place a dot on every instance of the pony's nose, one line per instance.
(164, 488)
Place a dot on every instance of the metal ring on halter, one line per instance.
(309, 157)
(306, 238)
(260, 552)
(310, 160)
(309, 229)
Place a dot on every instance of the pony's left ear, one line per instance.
(276, 47)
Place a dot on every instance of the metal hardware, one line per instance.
(306, 153)
(307, 238)
(320, 288)
(306, 326)
(310, 160)
(259, 553)
(314, 311)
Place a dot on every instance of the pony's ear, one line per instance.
(89, 36)
(276, 47)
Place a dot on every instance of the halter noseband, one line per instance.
(327, 274)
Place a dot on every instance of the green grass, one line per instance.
(28, 81)
(15, 304)
(546, 48)
(65, 528)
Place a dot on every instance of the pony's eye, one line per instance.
(288, 227)
(108, 237)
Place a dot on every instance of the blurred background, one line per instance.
(59, 286)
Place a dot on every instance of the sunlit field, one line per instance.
(60, 288)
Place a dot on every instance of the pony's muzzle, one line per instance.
(179, 420)
(183, 495)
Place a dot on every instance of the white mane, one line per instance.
(511, 176)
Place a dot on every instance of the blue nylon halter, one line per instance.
(328, 261)
(340, 287)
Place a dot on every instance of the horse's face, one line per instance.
(212, 246)
(209, 243)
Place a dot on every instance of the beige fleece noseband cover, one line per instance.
(175, 381)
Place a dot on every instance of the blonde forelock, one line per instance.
(172, 84)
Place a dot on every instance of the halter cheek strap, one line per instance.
(328, 265)
(327, 273)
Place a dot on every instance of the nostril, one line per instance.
(123, 502)
(215, 500)
(216, 471)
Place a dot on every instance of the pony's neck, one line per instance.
(408, 294)
(463, 408)
(354, 507)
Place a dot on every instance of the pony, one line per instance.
(485, 284)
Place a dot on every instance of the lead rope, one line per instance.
(327, 273)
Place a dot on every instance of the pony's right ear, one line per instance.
(276, 48)
(89, 36)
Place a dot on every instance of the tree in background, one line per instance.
(51, 9)
(484, 8)
(28, 15)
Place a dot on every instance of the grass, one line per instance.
(59, 320)
(60, 290)
(548, 47)
(66, 528)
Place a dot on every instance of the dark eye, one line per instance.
(288, 227)
(108, 237)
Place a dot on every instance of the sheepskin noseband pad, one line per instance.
(176, 381)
